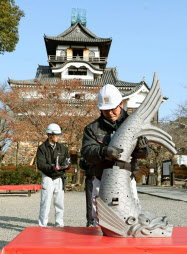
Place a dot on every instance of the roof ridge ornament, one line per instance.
(143, 80)
(78, 15)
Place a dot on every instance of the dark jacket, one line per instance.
(46, 156)
(86, 167)
(98, 134)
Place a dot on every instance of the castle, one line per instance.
(78, 53)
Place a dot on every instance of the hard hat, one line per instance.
(54, 128)
(109, 97)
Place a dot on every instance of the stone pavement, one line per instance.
(170, 192)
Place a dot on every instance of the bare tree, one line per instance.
(68, 103)
(176, 126)
(6, 117)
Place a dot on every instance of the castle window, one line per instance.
(78, 53)
(91, 54)
(52, 95)
(77, 71)
(62, 53)
(79, 96)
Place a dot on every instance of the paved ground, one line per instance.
(164, 192)
(18, 211)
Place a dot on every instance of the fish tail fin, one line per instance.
(158, 136)
(152, 102)
(108, 219)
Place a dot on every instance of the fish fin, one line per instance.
(149, 129)
(152, 102)
(146, 102)
(158, 136)
(163, 143)
(109, 219)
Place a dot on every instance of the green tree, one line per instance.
(10, 15)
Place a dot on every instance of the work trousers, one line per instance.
(88, 189)
(95, 194)
(51, 188)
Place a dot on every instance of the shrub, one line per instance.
(10, 164)
(31, 176)
(176, 165)
(23, 175)
(183, 165)
(69, 177)
(11, 178)
(180, 176)
(141, 163)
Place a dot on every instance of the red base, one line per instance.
(20, 187)
(70, 240)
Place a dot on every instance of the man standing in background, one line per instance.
(52, 160)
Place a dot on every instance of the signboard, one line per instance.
(166, 168)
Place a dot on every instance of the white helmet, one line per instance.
(54, 128)
(109, 97)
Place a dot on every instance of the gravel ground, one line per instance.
(18, 211)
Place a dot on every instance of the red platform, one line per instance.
(28, 188)
(20, 187)
(69, 240)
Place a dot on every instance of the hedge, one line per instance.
(24, 175)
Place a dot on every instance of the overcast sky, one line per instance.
(147, 36)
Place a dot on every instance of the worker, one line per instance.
(96, 138)
(52, 160)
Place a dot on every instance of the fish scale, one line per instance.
(127, 141)
(115, 184)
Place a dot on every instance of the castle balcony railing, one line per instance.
(62, 59)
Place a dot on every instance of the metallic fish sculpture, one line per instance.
(118, 210)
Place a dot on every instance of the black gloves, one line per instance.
(142, 142)
(111, 152)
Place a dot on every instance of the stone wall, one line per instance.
(26, 156)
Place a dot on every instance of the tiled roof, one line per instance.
(110, 76)
(80, 26)
(43, 72)
(22, 82)
(77, 39)
(78, 33)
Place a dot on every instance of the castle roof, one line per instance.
(110, 76)
(75, 35)
(78, 32)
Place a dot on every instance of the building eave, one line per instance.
(76, 61)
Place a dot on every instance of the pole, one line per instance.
(172, 174)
